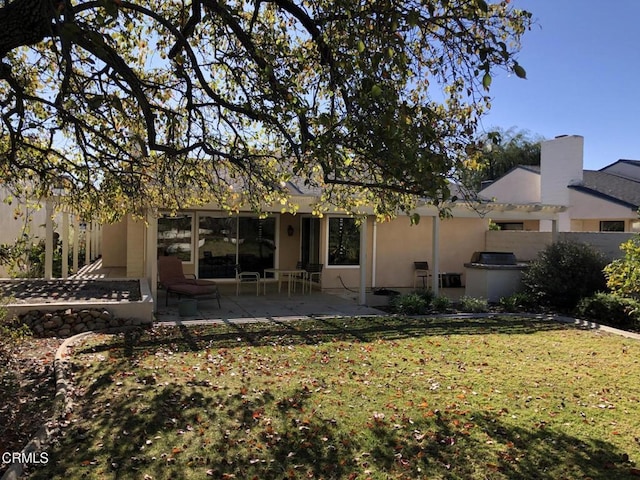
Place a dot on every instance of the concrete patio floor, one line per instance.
(273, 306)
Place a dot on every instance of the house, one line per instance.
(356, 258)
(556, 197)
(606, 200)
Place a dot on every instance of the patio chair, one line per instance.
(173, 279)
(246, 277)
(314, 270)
(421, 270)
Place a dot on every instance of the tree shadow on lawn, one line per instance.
(316, 331)
(183, 431)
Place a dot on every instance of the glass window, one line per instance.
(256, 243)
(344, 241)
(612, 226)
(510, 225)
(227, 241)
(217, 246)
(175, 236)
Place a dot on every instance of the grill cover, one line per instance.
(494, 258)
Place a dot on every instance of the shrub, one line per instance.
(474, 305)
(441, 304)
(410, 304)
(623, 275)
(565, 272)
(610, 309)
(518, 302)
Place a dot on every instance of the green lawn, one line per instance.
(355, 398)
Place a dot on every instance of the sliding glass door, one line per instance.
(226, 241)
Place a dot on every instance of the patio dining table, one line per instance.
(281, 273)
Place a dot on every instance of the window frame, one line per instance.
(327, 245)
(168, 215)
(617, 222)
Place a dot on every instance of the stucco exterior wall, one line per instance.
(519, 186)
(114, 244)
(399, 244)
(527, 245)
(560, 165)
(288, 247)
(585, 206)
(135, 248)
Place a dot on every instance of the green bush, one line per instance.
(473, 305)
(441, 304)
(410, 304)
(565, 272)
(623, 275)
(518, 302)
(610, 309)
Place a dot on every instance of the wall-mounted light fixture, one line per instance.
(290, 230)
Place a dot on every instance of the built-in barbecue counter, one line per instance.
(493, 275)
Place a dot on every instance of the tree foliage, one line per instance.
(623, 274)
(501, 150)
(564, 273)
(129, 105)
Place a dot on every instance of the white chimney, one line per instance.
(561, 165)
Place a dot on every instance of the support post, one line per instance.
(435, 252)
(151, 256)
(76, 241)
(65, 245)
(362, 300)
(48, 240)
(87, 243)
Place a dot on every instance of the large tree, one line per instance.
(131, 104)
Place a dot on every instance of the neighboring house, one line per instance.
(606, 200)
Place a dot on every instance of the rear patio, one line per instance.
(250, 307)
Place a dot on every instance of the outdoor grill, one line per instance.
(493, 258)
(493, 275)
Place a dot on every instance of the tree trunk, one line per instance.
(26, 22)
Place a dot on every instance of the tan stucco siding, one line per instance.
(589, 207)
(114, 244)
(525, 245)
(459, 238)
(135, 248)
(288, 253)
(518, 186)
(398, 245)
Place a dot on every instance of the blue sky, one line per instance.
(583, 78)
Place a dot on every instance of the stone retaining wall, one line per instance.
(68, 322)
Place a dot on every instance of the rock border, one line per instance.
(66, 322)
